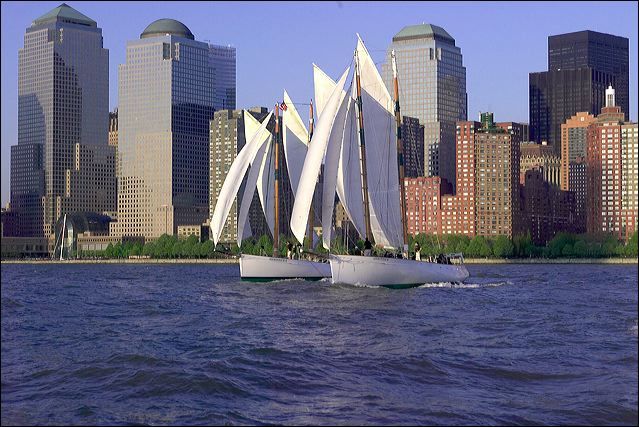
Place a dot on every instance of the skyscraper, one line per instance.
(580, 67)
(63, 100)
(222, 59)
(432, 88)
(166, 95)
(612, 172)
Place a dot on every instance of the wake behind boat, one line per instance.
(257, 268)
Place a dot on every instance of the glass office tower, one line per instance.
(432, 88)
(166, 92)
(63, 101)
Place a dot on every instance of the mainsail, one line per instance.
(234, 178)
(381, 154)
(313, 160)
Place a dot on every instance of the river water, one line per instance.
(192, 344)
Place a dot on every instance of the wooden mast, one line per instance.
(276, 227)
(400, 156)
(362, 151)
(311, 216)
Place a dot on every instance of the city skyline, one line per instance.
(500, 86)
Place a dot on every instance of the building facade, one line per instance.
(166, 96)
(222, 60)
(542, 158)
(573, 144)
(63, 96)
(423, 204)
(546, 209)
(432, 88)
(413, 142)
(496, 179)
(612, 172)
(580, 67)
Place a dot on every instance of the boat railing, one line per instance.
(456, 258)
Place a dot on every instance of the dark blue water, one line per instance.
(192, 344)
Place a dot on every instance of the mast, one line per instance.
(362, 151)
(400, 156)
(311, 216)
(64, 225)
(276, 227)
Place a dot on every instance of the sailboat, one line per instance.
(262, 154)
(358, 136)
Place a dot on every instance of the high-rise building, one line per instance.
(573, 144)
(432, 88)
(496, 179)
(413, 144)
(63, 98)
(227, 138)
(166, 96)
(612, 172)
(580, 67)
(458, 211)
(222, 60)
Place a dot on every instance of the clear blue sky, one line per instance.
(278, 41)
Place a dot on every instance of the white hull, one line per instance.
(392, 272)
(263, 268)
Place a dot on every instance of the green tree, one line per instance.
(580, 249)
(631, 248)
(503, 247)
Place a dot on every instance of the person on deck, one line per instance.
(289, 250)
(418, 256)
(367, 247)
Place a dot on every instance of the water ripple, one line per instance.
(193, 345)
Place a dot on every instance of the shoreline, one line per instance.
(235, 261)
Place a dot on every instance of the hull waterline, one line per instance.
(392, 272)
(264, 269)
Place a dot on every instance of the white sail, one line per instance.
(349, 171)
(295, 141)
(313, 161)
(266, 185)
(333, 151)
(324, 87)
(381, 153)
(249, 190)
(234, 178)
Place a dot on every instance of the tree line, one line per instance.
(563, 245)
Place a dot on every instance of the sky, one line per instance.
(277, 43)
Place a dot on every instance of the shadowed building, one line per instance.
(580, 67)
(63, 97)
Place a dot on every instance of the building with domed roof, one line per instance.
(432, 88)
(166, 100)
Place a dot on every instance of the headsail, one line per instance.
(234, 178)
(295, 140)
(249, 191)
(324, 87)
(313, 161)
